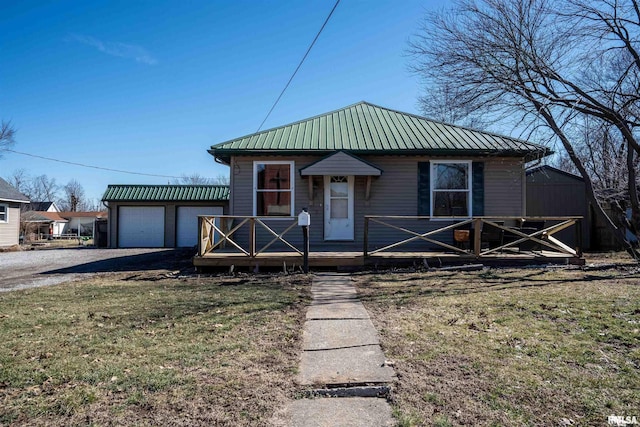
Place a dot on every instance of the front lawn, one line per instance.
(151, 350)
(539, 346)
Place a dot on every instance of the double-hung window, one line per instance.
(4, 212)
(451, 188)
(273, 188)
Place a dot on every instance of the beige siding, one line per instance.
(395, 192)
(9, 231)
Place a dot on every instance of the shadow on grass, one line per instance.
(484, 282)
(150, 301)
(141, 262)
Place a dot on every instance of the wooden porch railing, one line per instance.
(230, 224)
(542, 237)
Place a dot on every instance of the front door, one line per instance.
(338, 208)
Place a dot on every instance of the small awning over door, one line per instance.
(341, 163)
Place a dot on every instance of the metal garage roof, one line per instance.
(166, 193)
(364, 128)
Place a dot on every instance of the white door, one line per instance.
(141, 226)
(338, 208)
(187, 223)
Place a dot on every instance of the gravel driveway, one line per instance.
(29, 269)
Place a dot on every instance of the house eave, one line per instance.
(14, 201)
(528, 155)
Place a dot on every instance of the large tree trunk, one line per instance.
(634, 221)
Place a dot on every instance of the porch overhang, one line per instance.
(338, 164)
(341, 163)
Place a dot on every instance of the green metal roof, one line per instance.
(365, 128)
(165, 193)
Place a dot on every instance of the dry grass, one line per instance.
(537, 346)
(151, 350)
(58, 243)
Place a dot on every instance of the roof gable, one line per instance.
(366, 128)
(547, 172)
(341, 163)
(8, 193)
(163, 193)
(44, 207)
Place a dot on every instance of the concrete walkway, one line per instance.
(341, 357)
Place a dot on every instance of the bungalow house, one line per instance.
(10, 202)
(366, 160)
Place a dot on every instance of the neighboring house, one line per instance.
(10, 202)
(368, 160)
(43, 224)
(81, 223)
(553, 192)
(160, 215)
(44, 207)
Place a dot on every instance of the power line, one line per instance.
(299, 65)
(90, 166)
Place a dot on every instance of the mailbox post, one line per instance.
(304, 220)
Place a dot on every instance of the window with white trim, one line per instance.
(451, 188)
(4, 212)
(273, 188)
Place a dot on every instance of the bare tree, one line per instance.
(92, 205)
(542, 63)
(74, 197)
(20, 180)
(221, 179)
(43, 189)
(440, 104)
(197, 179)
(7, 136)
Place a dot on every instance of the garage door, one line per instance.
(187, 227)
(141, 226)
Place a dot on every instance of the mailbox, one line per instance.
(304, 219)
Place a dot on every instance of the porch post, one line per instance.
(252, 236)
(578, 226)
(304, 221)
(200, 235)
(366, 236)
(477, 236)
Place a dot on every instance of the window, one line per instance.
(4, 213)
(451, 188)
(273, 188)
(339, 194)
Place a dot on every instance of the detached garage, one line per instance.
(156, 216)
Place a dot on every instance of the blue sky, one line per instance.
(149, 86)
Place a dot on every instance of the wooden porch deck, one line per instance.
(494, 243)
(357, 260)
